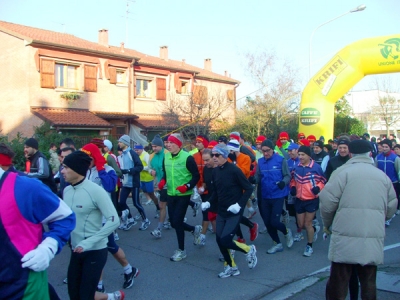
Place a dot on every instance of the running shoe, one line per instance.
(157, 215)
(254, 232)
(116, 236)
(196, 233)
(138, 217)
(156, 233)
(122, 226)
(251, 257)
(178, 255)
(131, 222)
(240, 240)
(275, 248)
(202, 240)
(251, 214)
(317, 229)
(298, 237)
(398, 212)
(124, 215)
(65, 281)
(289, 238)
(129, 278)
(229, 271)
(145, 225)
(119, 295)
(263, 231)
(167, 225)
(308, 251)
(387, 223)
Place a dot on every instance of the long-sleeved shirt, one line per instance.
(90, 202)
(230, 187)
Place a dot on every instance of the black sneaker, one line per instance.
(129, 278)
(101, 290)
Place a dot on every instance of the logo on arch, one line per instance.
(310, 116)
(391, 48)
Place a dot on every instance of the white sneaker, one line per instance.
(251, 257)
(156, 233)
(145, 224)
(229, 271)
(317, 229)
(131, 222)
(157, 215)
(201, 240)
(122, 226)
(119, 295)
(308, 251)
(196, 233)
(289, 238)
(124, 215)
(138, 217)
(178, 255)
(167, 225)
(116, 237)
(398, 212)
(298, 237)
(387, 223)
(275, 248)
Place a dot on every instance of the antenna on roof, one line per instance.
(63, 25)
(126, 19)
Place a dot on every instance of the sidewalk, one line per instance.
(313, 287)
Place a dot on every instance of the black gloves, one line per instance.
(281, 185)
(293, 191)
(125, 171)
(315, 190)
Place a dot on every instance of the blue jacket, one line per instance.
(269, 173)
(387, 165)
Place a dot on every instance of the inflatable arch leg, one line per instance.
(365, 57)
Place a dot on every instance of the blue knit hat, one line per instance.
(221, 149)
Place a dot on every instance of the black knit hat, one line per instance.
(343, 142)
(305, 150)
(223, 139)
(31, 142)
(319, 143)
(268, 143)
(360, 146)
(78, 161)
(387, 142)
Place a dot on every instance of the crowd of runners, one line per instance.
(227, 181)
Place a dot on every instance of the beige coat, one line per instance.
(356, 201)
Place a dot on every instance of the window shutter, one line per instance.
(230, 94)
(90, 78)
(113, 75)
(177, 83)
(161, 89)
(47, 74)
(200, 94)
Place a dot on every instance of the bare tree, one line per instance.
(199, 111)
(276, 102)
(387, 109)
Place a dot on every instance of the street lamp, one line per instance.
(357, 9)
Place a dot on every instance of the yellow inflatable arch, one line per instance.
(365, 57)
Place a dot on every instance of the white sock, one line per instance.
(110, 297)
(128, 269)
(251, 209)
(100, 284)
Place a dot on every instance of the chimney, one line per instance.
(164, 52)
(207, 64)
(226, 74)
(103, 37)
(122, 47)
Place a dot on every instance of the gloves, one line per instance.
(234, 208)
(281, 185)
(182, 188)
(293, 191)
(39, 259)
(93, 151)
(205, 205)
(315, 190)
(125, 171)
(201, 190)
(161, 184)
(327, 232)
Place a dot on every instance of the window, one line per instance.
(117, 76)
(200, 95)
(143, 88)
(185, 87)
(66, 76)
(121, 130)
(121, 77)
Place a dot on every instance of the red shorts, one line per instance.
(212, 216)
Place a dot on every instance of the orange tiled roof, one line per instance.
(37, 36)
(150, 121)
(69, 117)
(114, 115)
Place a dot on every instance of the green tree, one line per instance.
(344, 122)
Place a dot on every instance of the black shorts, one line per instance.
(163, 195)
(309, 206)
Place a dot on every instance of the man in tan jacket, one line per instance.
(354, 206)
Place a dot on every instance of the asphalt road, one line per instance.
(196, 276)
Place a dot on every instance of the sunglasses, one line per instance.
(215, 155)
